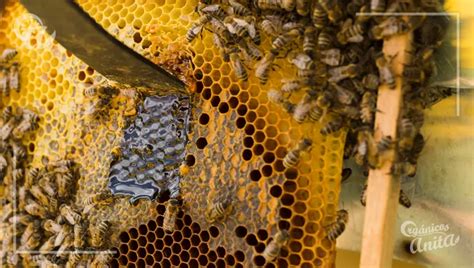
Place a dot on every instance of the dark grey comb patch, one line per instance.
(153, 148)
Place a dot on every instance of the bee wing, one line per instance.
(356, 39)
(302, 61)
(241, 22)
(252, 30)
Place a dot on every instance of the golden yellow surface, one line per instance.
(245, 134)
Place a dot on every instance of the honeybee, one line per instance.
(7, 55)
(332, 126)
(270, 4)
(21, 218)
(33, 242)
(367, 107)
(303, 7)
(337, 74)
(334, 230)
(238, 67)
(14, 77)
(320, 16)
(302, 109)
(49, 244)
(414, 74)
(418, 144)
(285, 38)
(385, 72)
(309, 40)
(169, 219)
(69, 214)
(351, 32)
(363, 196)
(377, 5)
(385, 143)
(79, 233)
(7, 113)
(218, 211)
(389, 27)
(239, 27)
(239, 9)
(292, 157)
(404, 200)
(197, 27)
(315, 113)
(39, 195)
(103, 198)
(276, 97)
(19, 153)
(434, 94)
(4, 89)
(304, 64)
(331, 57)
(29, 122)
(3, 164)
(73, 259)
(272, 251)
(17, 174)
(292, 85)
(288, 5)
(36, 209)
(271, 27)
(47, 186)
(30, 229)
(344, 95)
(65, 245)
(221, 29)
(403, 169)
(98, 233)
(407, 132)
(371, 81)
(63, 181)
(101, 260)
(31, 177)
(264, 67)
(34, 260)
(63, 165)
(7, 129)
(51, 226)
(91, 91)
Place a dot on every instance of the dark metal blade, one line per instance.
(82, 36)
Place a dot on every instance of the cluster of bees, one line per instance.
(45, 226)
(9, 72)
(38, 214)
(336, 48)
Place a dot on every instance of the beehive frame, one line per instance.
(238, 138)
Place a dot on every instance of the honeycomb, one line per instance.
(52, 83)
(237, 142)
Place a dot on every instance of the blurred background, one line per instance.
(442, 190)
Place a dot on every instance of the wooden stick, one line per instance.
(383, 189)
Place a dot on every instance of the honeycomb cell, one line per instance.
(276, 191)
(260, 247)
(251, 240)
(204, 119)
(201, 143)
(255, 175)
